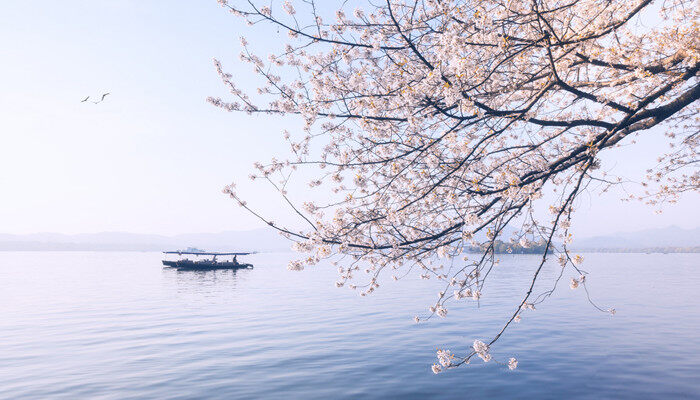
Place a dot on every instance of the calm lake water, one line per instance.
(118, 326)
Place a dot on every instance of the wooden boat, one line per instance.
(203, 261)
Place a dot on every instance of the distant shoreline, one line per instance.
(651, 250)
(671, 239)
(40, 247)
(106, 247)
(501, 247)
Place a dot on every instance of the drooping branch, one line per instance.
(435, 127)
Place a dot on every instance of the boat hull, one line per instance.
(205, 265)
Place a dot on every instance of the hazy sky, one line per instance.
(154, 156)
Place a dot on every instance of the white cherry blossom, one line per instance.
(432, 126)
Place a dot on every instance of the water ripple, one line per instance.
(119, 326)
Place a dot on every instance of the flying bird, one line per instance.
(98, 101)
(102, 98)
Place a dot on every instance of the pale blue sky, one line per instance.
(154, 156)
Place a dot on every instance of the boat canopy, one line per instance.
(204, 253)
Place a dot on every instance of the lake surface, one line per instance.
(118, 326)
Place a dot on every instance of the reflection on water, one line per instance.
(118, 325)
(218, 284)
(210, 278)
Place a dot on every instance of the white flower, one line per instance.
(562, 260)
(480, 347)
(295, 266)
(445, 357)
(436, 369)
(289, 8)
(512, 364)
(573, 284)
(442, 311)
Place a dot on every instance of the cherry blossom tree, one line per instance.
(433, 125)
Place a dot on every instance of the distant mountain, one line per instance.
(672, 236)
(253, 240)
